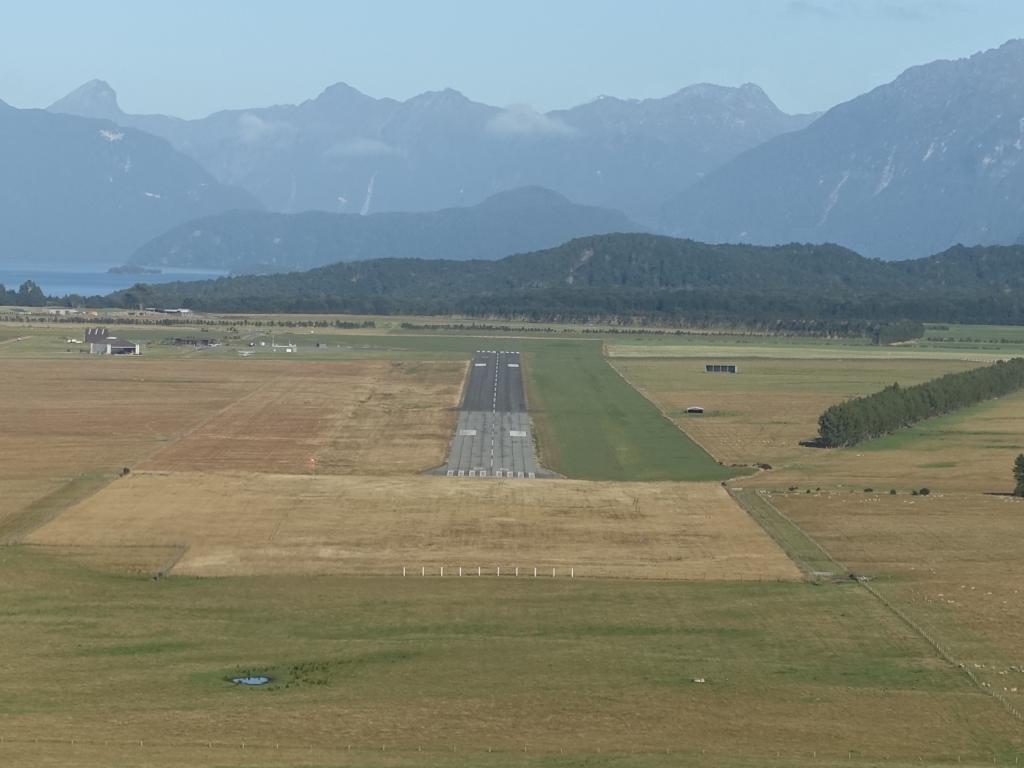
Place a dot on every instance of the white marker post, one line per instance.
(535, 571)
(403, 570)
(460, 570)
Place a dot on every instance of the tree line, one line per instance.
(896, 407)
(28, 295)
(821, 290)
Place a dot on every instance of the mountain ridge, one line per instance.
(344, 151)
(910, 168)
(83, 191)
(246, 242)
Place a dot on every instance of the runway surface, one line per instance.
(493, 437)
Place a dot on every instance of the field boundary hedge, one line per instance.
(896, 407)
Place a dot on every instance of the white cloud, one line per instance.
(521, 120)
(362, 147)
(253, 129)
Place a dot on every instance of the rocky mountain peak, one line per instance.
(92, 99)
(342, 93)
(748, 95)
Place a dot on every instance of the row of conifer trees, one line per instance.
(896, 407)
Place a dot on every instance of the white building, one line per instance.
(102, 343)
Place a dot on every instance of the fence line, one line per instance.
(547, 572)
(944, 653)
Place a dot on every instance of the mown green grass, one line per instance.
(1009, 336)
(592, 424)
(582, 666)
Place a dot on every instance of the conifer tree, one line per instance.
(1018, 475)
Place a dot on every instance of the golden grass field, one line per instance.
(381, 417)
(246, 524)
(972, 450)
(762, 413)
(948, 560)
(102, 667)
(220, 452)
(84, 418)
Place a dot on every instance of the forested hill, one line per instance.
(637, 275)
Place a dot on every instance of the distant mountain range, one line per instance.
(252, 241)
(931, 159)
(346, 152)
(637, 275)
(75, 191)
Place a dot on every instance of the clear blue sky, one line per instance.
(193, 57)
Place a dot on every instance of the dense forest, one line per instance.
(632, 278)
(896, 407)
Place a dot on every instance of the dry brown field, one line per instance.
(71, 424)
(68, 419)
(377, 417)
(245, 524)
(762, 413)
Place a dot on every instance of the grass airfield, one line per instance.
(283, 567)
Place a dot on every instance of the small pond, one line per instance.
(251, 680)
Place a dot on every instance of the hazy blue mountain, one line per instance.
(78, 191)
(913, 167)
(98, 100)
(251, 241)
(346, 152)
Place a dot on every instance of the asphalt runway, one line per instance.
(495, 384)
(493, 437)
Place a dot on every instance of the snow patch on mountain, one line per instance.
(833, 198)
(887, 173)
